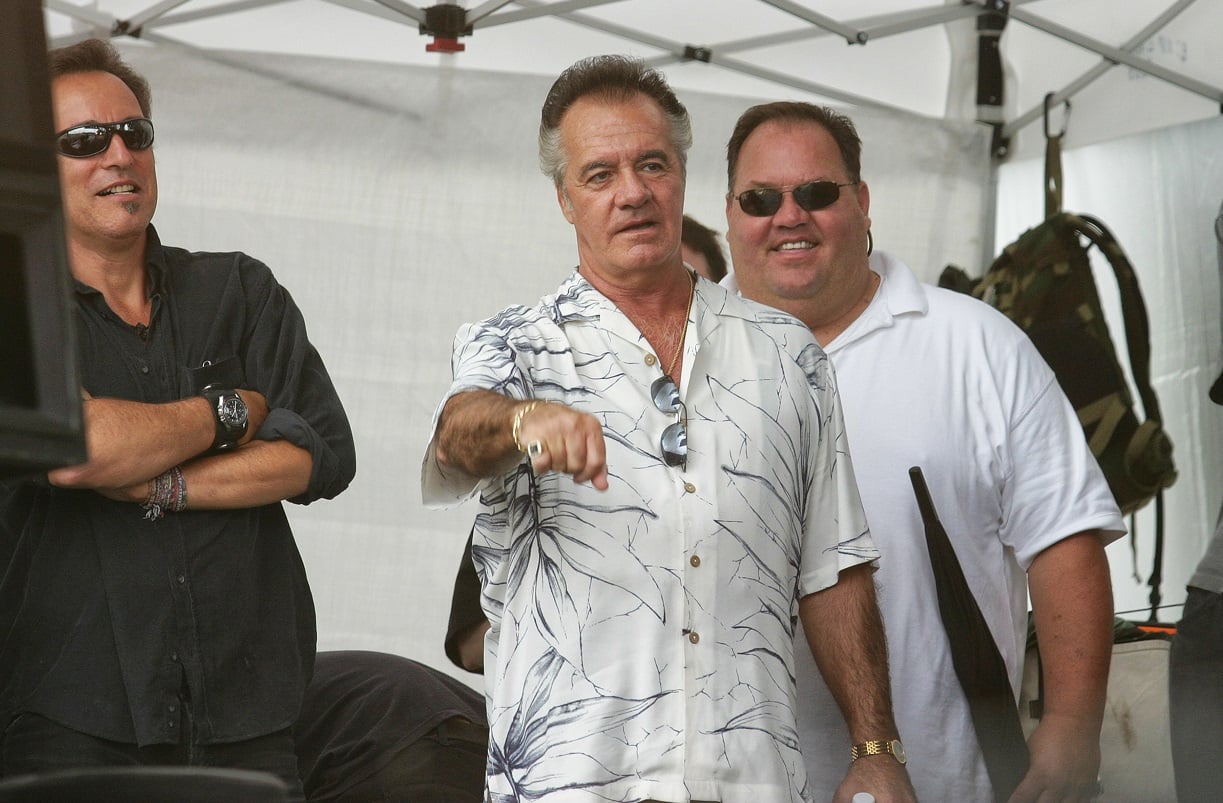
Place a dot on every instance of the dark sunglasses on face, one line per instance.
(674, 440)
(813, 195)
(91, 139)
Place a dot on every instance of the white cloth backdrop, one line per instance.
(396, 203)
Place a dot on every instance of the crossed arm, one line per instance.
(131, 442)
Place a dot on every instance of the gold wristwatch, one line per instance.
(877, 747)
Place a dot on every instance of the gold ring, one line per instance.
(535, 449)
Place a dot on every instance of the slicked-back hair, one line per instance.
(839, 126)
(98, 55)
(612, 79)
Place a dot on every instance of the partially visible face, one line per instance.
(111, 196)
(697, 260)
(622, 189)
(790, 257)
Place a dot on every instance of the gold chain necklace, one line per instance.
(683, 332)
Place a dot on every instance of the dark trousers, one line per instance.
(34, 744)
(444, 766)
(1195, 675)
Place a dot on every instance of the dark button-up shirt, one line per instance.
(110, 623)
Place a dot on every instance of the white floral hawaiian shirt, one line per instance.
(641, 640)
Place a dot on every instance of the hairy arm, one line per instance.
(844, 630)
(130, 442)
(1073, 606)
(258, 473)
(475, 435)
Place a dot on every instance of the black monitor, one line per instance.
(41, 424)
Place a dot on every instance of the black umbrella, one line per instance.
(978, 664)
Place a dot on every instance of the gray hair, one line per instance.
(612, 79)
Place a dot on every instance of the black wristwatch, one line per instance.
(230, 413)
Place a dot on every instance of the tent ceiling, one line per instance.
(918, 56)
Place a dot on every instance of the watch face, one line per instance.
(232, 411)
(898, 750)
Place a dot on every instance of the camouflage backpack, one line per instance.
(1044, 283)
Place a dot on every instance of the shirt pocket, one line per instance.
(225, 372)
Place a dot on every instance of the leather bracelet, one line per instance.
(516, 430)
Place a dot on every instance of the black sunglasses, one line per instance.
(91, 139)
(674, 440)
(811, 196)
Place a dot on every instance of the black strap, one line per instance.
(1138, 346)
(1133, 308)
(974, 654)
(1053, 162)
(1157, 566)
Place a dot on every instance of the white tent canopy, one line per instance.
(395, 192)
(916, 56)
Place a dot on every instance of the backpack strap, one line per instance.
(1138, 344)
(1053, 161)
(1157, 564)
(1053, 174)
(1133, 308)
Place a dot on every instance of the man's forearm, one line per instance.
(130, 442)
(1072, 605)
(475, 433)
(845, 632)
(258, 473)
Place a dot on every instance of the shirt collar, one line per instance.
(154, 266)
(577, 301)
(899, 294)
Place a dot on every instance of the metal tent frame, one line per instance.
(448, 22)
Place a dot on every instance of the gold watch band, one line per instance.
(878, 747)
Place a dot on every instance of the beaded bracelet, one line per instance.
(517, 428)
(167, 493)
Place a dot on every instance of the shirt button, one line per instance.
(144, 369)
(173, 708)
(694, 637)
(695, 560)
(689, 488)
(181, 579)
(650, 359)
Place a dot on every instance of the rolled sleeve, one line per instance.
(304, 407)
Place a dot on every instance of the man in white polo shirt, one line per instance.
(934, 379)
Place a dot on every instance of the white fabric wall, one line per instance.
(397, 203)
(1159, 193)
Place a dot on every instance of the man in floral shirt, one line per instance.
(642, 608)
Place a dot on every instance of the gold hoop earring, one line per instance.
(870, 243)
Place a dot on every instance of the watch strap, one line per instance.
(878, 747)
(229, 428)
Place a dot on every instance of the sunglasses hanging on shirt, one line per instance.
(674, 439)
